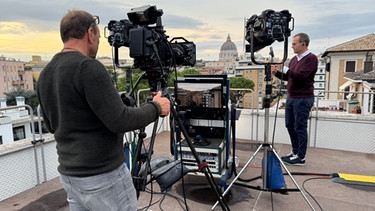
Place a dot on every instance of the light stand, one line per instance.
(266, 146)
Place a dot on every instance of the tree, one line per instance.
(136, 73)
(188, 71)
(30, 97)
(142, 85)
(239, 82)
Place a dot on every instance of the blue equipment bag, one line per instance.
(275, 177)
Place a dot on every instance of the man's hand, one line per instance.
(274, 69)
(164, 103)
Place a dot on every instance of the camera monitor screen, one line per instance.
(200, 95)
(202, 104)
(200, 92)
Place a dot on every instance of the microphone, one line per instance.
(271, 52)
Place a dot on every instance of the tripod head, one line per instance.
(156, 81)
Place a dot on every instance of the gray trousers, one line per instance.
(112, 190)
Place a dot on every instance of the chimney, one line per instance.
(20, 100)
(3, 102)
(369, 66)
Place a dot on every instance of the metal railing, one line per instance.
(351, 132)
(343, 119)
(16, 171)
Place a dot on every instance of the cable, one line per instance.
(303, 186)
(320, 176)
(273, 132)
(161, 200)
(182, 173)
(151, 192)
(152, 187)
(113, 63)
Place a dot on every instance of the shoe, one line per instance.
(295, 160)
(288, 156)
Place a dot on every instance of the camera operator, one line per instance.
(300, 76)
(85, 113)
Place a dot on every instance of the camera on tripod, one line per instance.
(143, 33)
(267, 28)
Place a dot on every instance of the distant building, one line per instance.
(350, 68)
(227, 62)
(36, 65)
(14, 75)
(254, 73)
(109, 62)
(14, 122)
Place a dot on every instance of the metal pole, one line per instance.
(42, 141)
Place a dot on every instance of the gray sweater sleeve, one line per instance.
(95, 84)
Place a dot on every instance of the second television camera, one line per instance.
(149, 45)
(267, 28)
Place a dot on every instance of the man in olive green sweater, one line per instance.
(84, 111)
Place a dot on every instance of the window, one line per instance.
(1, 140)
(350, 66)
(19, 133)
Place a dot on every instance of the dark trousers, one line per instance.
(297, 111)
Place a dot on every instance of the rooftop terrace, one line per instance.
(337, 145)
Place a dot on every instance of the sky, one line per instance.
(32, 27)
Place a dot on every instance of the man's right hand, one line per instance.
(164, 104)
(273, 69)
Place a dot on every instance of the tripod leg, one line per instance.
(291, 177)
(140, 181)
(239, 174)
(135, 167)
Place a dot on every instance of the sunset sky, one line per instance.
(32, 27)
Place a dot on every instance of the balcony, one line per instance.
(339, 143)
(21, 72)
(18, 82)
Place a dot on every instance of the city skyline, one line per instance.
(32, 28)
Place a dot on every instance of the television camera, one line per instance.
(148, 44)
(266, 28)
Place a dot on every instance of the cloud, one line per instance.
(13, 28)
(206, 23)
(335, 25)
(181, 22)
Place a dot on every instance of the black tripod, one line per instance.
(266, 146)
(140, 181)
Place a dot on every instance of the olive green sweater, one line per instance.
(83, 110)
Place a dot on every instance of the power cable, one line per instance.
(303, 186)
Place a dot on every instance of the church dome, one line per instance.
(228, 45)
